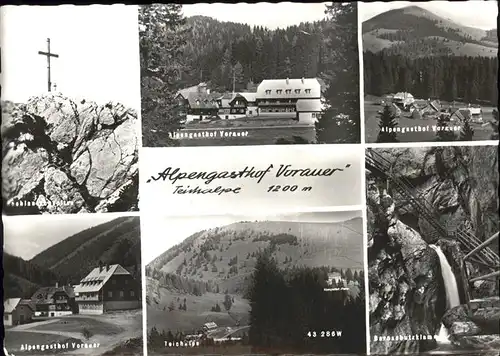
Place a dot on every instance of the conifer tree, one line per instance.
(387, 123)
(340, 121)
(467, 132)
(442, 134)
(162, 35)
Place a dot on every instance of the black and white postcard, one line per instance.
(70, 99)
(430, 71)
(72, 285)
(249, 74)
(433, 250)
(255, 284)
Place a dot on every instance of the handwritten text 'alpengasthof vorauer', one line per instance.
(175, 174)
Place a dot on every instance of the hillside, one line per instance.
(415, 32)
(227, 255)
(117, 241)
(214, 47)
(22, 278)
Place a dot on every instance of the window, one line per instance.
(279, 91)
(249, 112)
(297, 91)
(268, 91)
(132, 294)
(113, 281)
(308, 91)
(288, 91)
(5, 317)
(126, 281)
(110, 294)
(121, 294)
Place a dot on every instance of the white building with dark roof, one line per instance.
(279, 98)
(107, 288)
(17, 311)
(54, 301)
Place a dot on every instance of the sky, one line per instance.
(26, 236)
(260, 14)
(479, 14)
(97, 45)
(175, 230)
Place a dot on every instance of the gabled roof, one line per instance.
(403, 95)
(461, 114)
(193, 89)
(226, 99)
(45, 295)
(293, 84)
(203, 100)
(249, 97)
(98, 277)
(9, 305)
(308, 105)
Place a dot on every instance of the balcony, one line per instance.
(85, 298)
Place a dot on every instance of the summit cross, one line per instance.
(48, 54)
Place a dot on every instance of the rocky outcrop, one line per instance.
(70, 156)
(480, 330)
(406, 291)
(459, 183)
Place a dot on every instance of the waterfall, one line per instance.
(451, 289)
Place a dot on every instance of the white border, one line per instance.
(363, 176)
(432, 144)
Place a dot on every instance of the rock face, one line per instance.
(460, 183)
(70, 157)
(406, 290)
(461, 186)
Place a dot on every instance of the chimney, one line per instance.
(208, 91)
(302, 80)
(287, 81)
(107, 267)
(100, 266)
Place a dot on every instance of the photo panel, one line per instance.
(430, 71)
(255, 284)
(70, 100)
(433, 263)
(72, 285)
(237, 74)
(216, 181)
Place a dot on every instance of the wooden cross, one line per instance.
(48, 55)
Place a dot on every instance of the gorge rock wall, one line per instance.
(460, 183)
(407, 295)
(69, 156)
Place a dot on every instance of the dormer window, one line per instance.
(297, 91)
(279, 91)
(197, 102)
(288, 91)
(308, 91)
(268, 91)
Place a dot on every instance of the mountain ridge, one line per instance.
(408, 30)
(226, 255)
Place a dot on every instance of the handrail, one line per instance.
(482, 246)
(486, 276)
(486, 256)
